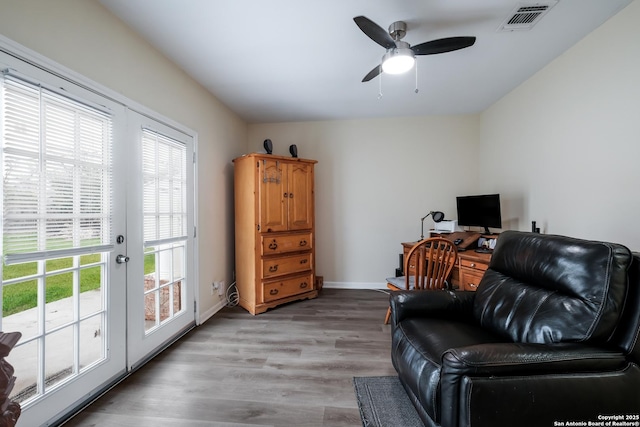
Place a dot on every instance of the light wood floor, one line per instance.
(291, 366)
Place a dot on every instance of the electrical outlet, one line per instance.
(214, 286)
(221, 288)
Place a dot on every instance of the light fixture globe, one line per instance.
(398, 60)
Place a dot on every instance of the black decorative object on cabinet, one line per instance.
(268, 146)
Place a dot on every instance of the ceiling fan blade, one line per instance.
(374, 32)
(373, 73)
(448, 44)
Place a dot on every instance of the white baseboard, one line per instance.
(355, 285)
(209, 313)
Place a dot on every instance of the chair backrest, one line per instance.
(549, 289)
(429, 263)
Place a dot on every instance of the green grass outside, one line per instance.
(23, 296)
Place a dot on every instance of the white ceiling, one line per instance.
(298, 60)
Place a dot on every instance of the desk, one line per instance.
(470, 266)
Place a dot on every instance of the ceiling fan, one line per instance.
(400, 56)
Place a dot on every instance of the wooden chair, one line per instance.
(427, 267)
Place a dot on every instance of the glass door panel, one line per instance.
(160, 271)
(61, 146)
(163, 283)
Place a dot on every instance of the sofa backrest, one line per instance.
(548, 289)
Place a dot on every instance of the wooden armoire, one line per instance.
(275, 232)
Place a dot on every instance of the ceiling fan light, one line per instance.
(398, 61)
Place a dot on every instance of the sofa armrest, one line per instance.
(529, 359)
(536, 384)
(441, 303)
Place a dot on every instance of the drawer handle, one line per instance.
(303, 285)
(473, 285)
(273, 245)
(291, 195)
(273, 268)
(303, 243)
(472, 265)
(286, 195)
(273, 292)
(304, 261)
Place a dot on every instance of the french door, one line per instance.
(60, 285)
(160, 244)
(97, 232)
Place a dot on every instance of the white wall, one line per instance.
(89, 40)
(375, 179)
(566, 143)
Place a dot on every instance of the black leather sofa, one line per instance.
(549, 338)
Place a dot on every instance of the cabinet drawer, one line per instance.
(470, 279)
(284, 288)
(481, 266)
(272, 267)
(411, 267)
(285, 243)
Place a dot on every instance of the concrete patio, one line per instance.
(59, 346)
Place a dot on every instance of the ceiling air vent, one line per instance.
(525, 16)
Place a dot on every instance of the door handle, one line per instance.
(122, 259)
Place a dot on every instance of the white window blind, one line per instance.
(56, 174)
(165, 187)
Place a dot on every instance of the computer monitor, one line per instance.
(479, 211)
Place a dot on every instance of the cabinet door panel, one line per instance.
(272, 188)
(300, 196)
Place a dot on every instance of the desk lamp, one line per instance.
(437, 217)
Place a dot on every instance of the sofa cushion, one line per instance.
(551, 289)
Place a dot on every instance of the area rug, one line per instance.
(384, 403)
